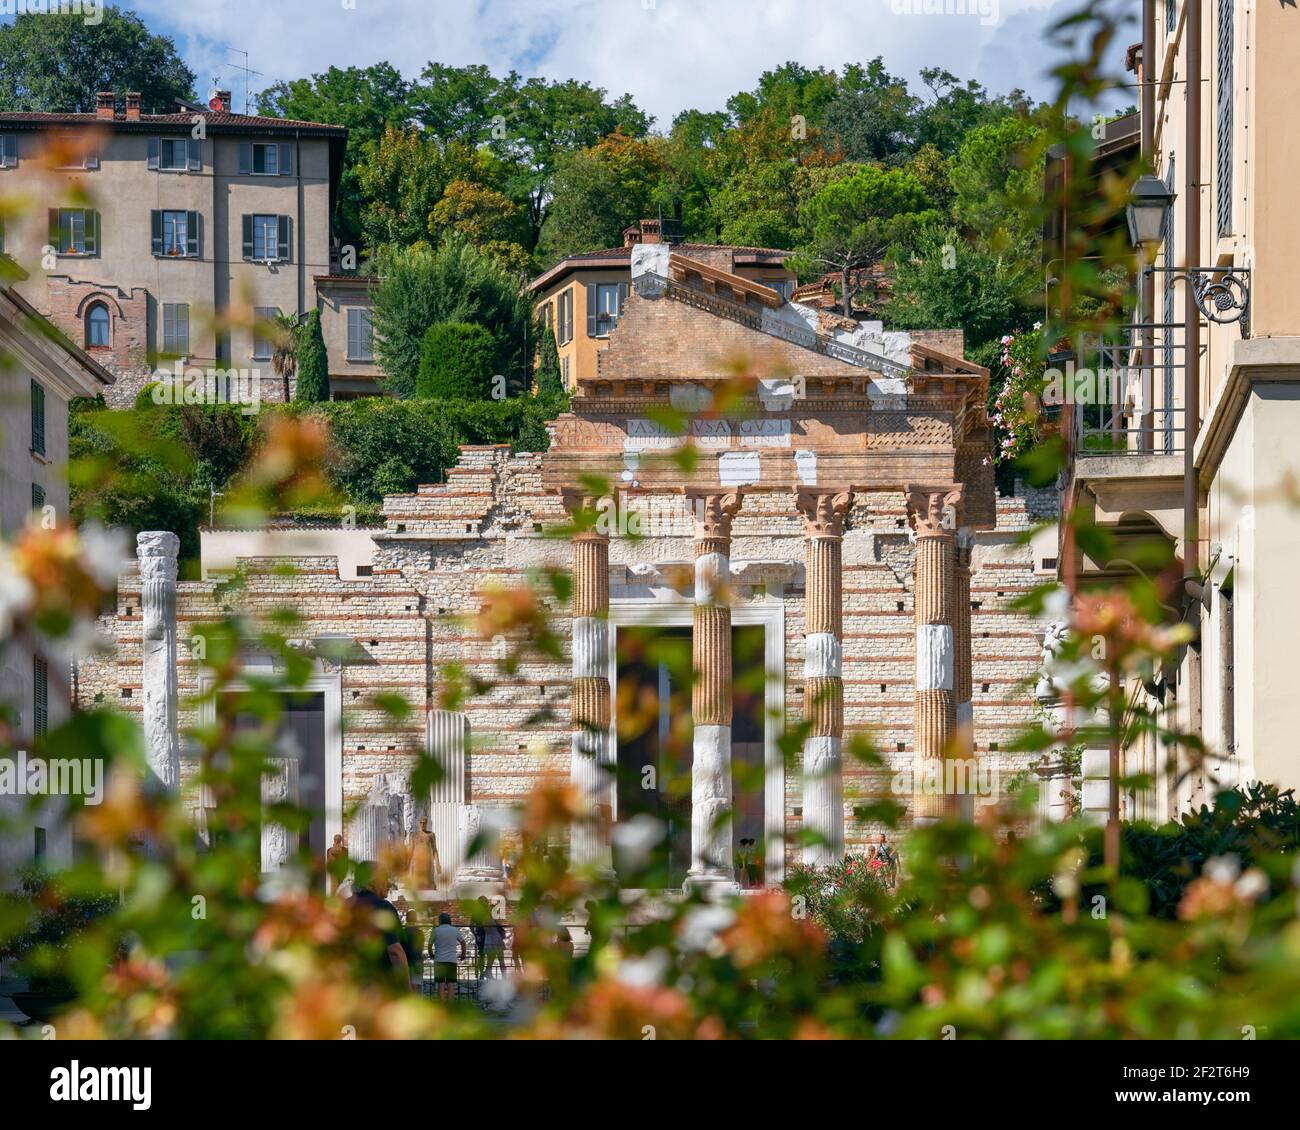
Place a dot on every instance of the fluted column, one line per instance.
(934, 514)
(279, 786)
(823, 785)
(589, 836)
(962, 678)
(711, 795)
(156, 551)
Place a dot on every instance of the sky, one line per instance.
(669, 55)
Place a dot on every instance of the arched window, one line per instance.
(97, 326)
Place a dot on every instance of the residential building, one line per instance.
(1205, 454)
(40, 372)
(346, 303)
(582, 297)
(171, 235)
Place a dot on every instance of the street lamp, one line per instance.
(1147, 208)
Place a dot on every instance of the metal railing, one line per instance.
(1126, 391)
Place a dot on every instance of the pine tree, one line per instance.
(313, 362)
(549, 380)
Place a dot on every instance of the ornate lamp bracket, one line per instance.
(1222, 294)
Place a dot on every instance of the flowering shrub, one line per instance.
(1016, 411)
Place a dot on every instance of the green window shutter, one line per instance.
(282, 238)
(54, 230)
(286, 160)
(40, 696)
(38, 417)
(248, 236)
(193, 154)
(245, 158)
(155, 147)
(92, 232)
(156, 230)
(192, 234)
(38, 496)
(593, 320)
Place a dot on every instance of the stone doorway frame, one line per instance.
(319, 682)
(768, 613)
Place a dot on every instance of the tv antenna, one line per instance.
(245, 68)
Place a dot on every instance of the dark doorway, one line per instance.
(653, 712)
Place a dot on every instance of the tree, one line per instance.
(873, 117)
(284, 349)
(487, 218)
(599, 192)
(455, 362)
(367, 100)
(313, 362)
(853, 222)
(58, 64)
(454, 283)
(548, 378)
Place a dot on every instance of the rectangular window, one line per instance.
(38, 844)
(74, 231)
(1228, 666)
(8, 150)
(40, 696)
(38, 496)
(564, 371)
(176, 329)
(360, 334)
(604, 305)
(175, 233)
(266, 238)
(80, 150)
(1223, 79)
(564, 318)
(1171, 16)
(38, 418)
(783, 287)
(263, 344)
(265, 159)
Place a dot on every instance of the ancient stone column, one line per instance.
(279, 786)
(965, 736)
(823, 786)
(589, 835)
(934, 515)
(448, 739)
(711, 795)
(156, 551)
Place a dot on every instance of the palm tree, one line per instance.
(284, 349)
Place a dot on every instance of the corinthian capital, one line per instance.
(934, 511)
(823, 510)
(712, 512)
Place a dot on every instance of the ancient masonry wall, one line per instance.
(443, 547)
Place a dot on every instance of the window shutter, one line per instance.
(1223, 121)
(194, 154)
(38, 417)
(40, 696)
(91, 158)
(593, 326)
(55, 235)
(622, 297)
(282, 240)
(155, 146)
(156, 226)
(248, 237)
(245, 158)
(92, 232)
(38, 496)
(8, 150)
(192, 234)
(285, 162)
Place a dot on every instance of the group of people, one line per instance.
(401, 954)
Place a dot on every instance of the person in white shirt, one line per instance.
(446, 947)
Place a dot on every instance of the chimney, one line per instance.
(105, 104)
(650, 231)
(631, 237)
(132, 105)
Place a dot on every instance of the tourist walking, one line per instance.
(447, 948)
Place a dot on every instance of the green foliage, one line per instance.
(455, 362)
(548, 378)
(599, 192)
(455, 283)
(1255, 826)
(854, 221)
(59, 64)
(312, 362)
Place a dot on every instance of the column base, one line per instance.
(710, 884)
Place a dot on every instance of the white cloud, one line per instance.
(669, 54)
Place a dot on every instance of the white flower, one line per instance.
(1223, 869)
(16, 592)
(1252, 885)
(637, 838)
(104, 552)
(701, 926)
(643, 972)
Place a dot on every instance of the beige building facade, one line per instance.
(175, 236)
